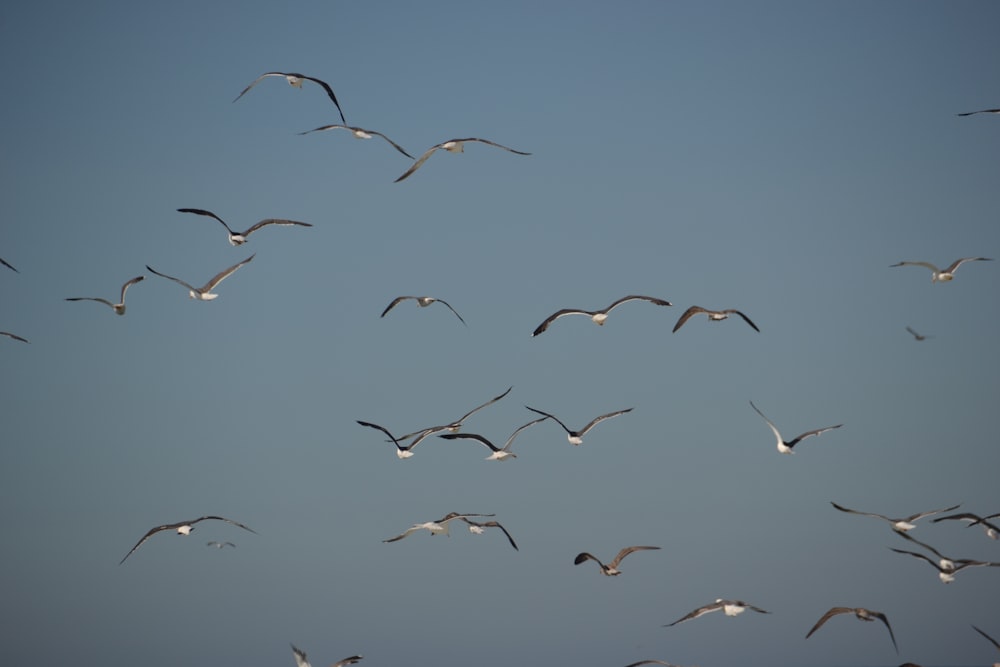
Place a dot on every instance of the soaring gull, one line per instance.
(785, 446)
(947, 567)
(119, 307)
(423, 302)
(204, 293)
(498, 453)
(14, 336)
(729, 608)
(713, 315)
(302, 661)
(435, 527)
(239, 238)
(899, 525)
(359, 133)
(576, 437)
(598, 316)
(452, 146)
(402, 451)
(861, 613)
(296, 80)
(992, 531)
(611, 569)
(937, 275)
(182, 528)
(219, 545)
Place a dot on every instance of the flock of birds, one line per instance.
(947, 568)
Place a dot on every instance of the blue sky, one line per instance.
(774, 157)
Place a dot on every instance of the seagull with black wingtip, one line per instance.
(861, 614)
(611, 568)
(576, 437)
(423, 302)
(239, 238)
(295, 80)
(119, 307)
(713, 316)
(452, 146)
(597, 316)
(728, 607)
(182, 528)
(785, 446)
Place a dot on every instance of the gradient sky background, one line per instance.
(774, 157)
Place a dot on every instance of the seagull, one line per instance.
(423, 302)
(452, 426)
(182, 528)
(946, 567)
(970, 113)
(452, 146)
(478, 528)
(576, 437)
(899, 525)
(714, 315)
(302, 661)
(861, 613)
(651, 662)
(219, 545)
(14, 336)
(990, 639)
(729, 607)
(296, 80)
(785, 447)
(239, 238)
(119, 307)
(937, 275)
(204, 293)
(598, 316)
(916, 335)
(611, 569)
(360, 133)
(499, 453)
(402, 451)
(435, 527)
(8, 265)
(992, 531)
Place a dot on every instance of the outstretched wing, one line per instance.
(556, 315)
(209, 214)
(492, 143)
(958, 262)
(8, 265)
(850, 511)
(827, 616)
(14, 336)
(222, 275)
(700, 611)
(91, 298)
(480, 407)
(745, 318)
(584, 556)
(394, 303)
(274, 221)
(419, 163)
(597, 420)
(329, 93)
(809, 434)
(552, 417)
(687, 315)
(137, 279)
(176, 280)
(625, 552)
(355, 130)
(452, 310)
(637, 297)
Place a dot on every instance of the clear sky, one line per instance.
(775, 157)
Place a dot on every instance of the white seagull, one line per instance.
(970, 113)
(576, 437)
(219, 545)
(452, 146)
(728, 607)
(937, 275)
(239, 238)
(295, 80)
(423, 302)
(182, 528)
(498, 453)
(611, 569)
(360, 133)
(597, 316)
(302, 661)
(8, 265)
(992, 531)
(899, 525)
(478, 528)
(861, 613)
(402, 451)
(434, 527)
(14, 336)
(713, 315)
(119, 307)
(204, 293)
(947, 567)
(785, 446)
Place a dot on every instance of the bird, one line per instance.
(937, 275)
(402, 451)
(14, 336)
(8, 265)
(576, 437)
(182, 528)
(302, 661)
(239, 238)
(219, 545)
(455, 425)
(990, 639)
(359, 133)
(861, 613)
(598, 316)
(119, 307)
(992, 531)
(916, 335)
(452, 146)
(478, 528)
(785, 446)
(970, 113)
(899, 525)
(498, 453)
(435, 527)
(423, 302)
(713, 315)
(295, 80)
(651, 662)
(729, 608)
(946, 567)
(611, 569)
(204, 293)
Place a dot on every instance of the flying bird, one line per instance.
(970, 113)
(455, 425)
(239, 238)
(937, 275)
(204, 293)
(947, 567)
(423, 302)
(478, 528)
(992, 531)
(119, 307)
(861, 613)
(182, 528)
(785, 446)
(296, 80)
(899, 525)
(729, 608)
(452, 146)
(598, 316)
(651, 662)
(402, 451)
(916, 335)
(14, 336)
(435, 527)
(498, 453)
(360, 133)
(713, 315)
(8, 265)
(576, 437)
(302, 661)
(219, 545)
(611, 569)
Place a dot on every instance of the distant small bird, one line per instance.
(992, 531)
(14, 336)
(478, 528)
(204, 293)
(970, 113)
(119, 307)
(785, 446)
(713, 315)
(729, 608)
(220, 545)
(861, 613)
(899, 525)
(295, 80)
(8, 265)
(651, 662)
(239, 238)
(302, 661)
(576, 437)
(611, 569)
(438, 527)
(598, 316)
(423, 302)
(498, 453)
(452, 146)
(937, 275)
(182, 528)
(916, 335)
(360, 133)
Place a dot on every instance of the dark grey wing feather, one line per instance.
(329, 93)
(176, 280)
(274, 221)
(597, 420)
(201, 211)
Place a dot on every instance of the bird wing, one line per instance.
(492, 524)
(920, 515)
(393, 143)
(769, 423)
(827, 616)
(990, 639)
(637, 297)
(394, 303)
(745, 318)
(597, 420)
(329, 93)
(150, 533)
(348, 661)
(936, 565)
(14, 336)
(419, 162)
(470, 436)
(850, 511)
(924, 264)
(491, 143)
(137, 279)
(405, 533)
(201, 211)
(970, 113)
(688, 314)
(380, 428)
(218, 518)
(8, 265)
(650, 662)
(584, 556)
(506, 446)
(452, 310)
(880, 616)
(556, 315)
(256, 81)
(91, 298)
(809, 434)
(480, 407)
(222, 275)
(359, 129)
(176, 280)
(552, 417)
(625, 552)
(274, 221)
(700, 611)
(958, 262)
(300, 656)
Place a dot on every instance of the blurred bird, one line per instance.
(861, 613)
(729, 608)
(611, 569)
(204, 293)
(302, 661)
